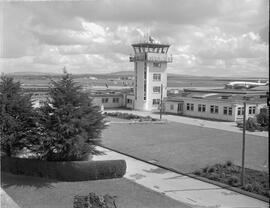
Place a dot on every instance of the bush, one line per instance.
(205, 170)
(211, 169)
(214, 176)
(263, 118)
(228, 163)
(248, 187)
(251, 124)
(65, 171)
(129, 116)
(198, 172)
(233, 180)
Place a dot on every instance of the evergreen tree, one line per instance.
(71, 124)
(17, 118)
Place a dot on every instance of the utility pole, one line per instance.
(161, 103)
(243, 146)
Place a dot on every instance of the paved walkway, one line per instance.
(226, 126)
(189, 191)
(6, 200)
(192, 192)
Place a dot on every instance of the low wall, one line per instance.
(65, 171)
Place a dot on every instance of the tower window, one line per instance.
(156, 77)
(156, 64)
(156, 89)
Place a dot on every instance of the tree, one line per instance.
(71, 124)
(18, 119)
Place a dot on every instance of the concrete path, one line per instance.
(6, 200)
(226, 126)
(189, 191)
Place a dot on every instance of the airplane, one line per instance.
(245, 85)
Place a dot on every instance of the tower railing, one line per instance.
(139, 57)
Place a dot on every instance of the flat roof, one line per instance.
(255, 90)
(218, 97)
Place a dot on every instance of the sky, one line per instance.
(207, 37)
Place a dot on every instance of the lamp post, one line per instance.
(243, 144)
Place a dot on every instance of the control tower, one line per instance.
(150, 63)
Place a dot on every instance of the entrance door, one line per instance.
(180, 108)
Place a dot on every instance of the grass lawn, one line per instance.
(185, 147)
(34, 192)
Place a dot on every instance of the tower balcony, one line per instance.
(151, 57)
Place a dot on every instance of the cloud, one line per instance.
(207, 37)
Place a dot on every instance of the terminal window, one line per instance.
(240, 111)
(105, 100)
(156, 77)
(156, 101)
(190, 106)
(251, 109)
(213, 109)
(227, 110)
(201, 107)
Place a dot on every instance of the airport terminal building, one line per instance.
(150, 92)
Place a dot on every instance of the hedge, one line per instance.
(65, 171)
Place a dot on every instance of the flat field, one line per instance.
(184, 147)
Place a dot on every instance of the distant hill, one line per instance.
(131, 73)
(32, 74)
(122, 73)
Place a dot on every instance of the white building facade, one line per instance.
(150, 83)
(214, 107)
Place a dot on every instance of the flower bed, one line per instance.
(130, 116)
(255, 181)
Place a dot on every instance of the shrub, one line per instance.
(233, 180)
(263, 118)
(214, 176)
(211, 169)
(228, 163)
(248, 187)
(198, 172)
(251, 124)
(205, 170)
